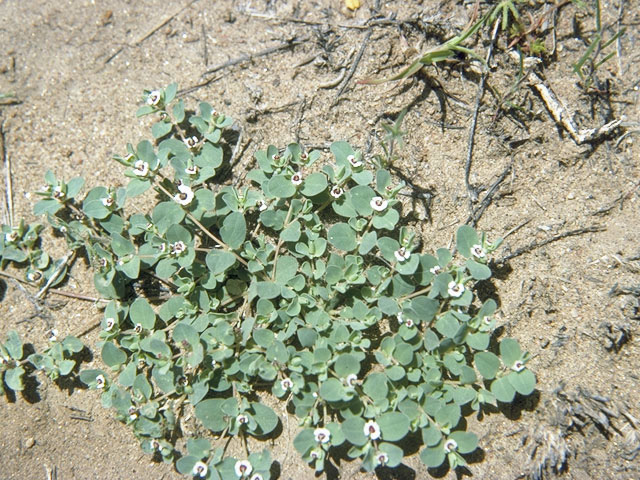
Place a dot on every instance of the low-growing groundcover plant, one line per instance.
(304, 286)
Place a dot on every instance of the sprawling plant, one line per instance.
(303, 286)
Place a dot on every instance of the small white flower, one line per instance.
(286, 384)
(314, 394)
(262, 206)
(400, 318)
(372, 430)
(436, 270)
(243, 468)
(402, 254)
(110, 322)
(315, 454)
(478, 252)
(214, 364)
(191, 142)
(155, 444)
(10, 237)
(450, 445)
(200, 469)
(133, 413)
(242, 419)
(336, 191)
(382, 458)
(518, 366)
(296, 179)
(107, 201)
(141, 168)
(138, 328)
(256, 476)
(129, 157)
(487, 320)
(379, 204)
(184, 195)
(455, 289)
(58, 194)
(409, 323)
(34, 276)
(100, 382)
(53, 335)
(355, 162)
(192, 170)
(178, 248)
(153, 98)
(351, 379)
(322, 435)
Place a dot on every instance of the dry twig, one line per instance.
(562, 116)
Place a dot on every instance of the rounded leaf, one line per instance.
(210, 413)
(523, 382)
(394, 426)
(487, 364)
(343, 237)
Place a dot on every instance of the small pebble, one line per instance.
(29, 442)
(571, 196)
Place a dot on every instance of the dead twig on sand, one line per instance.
(555, 238)
(163, 22)
(476, 213)
(562, 117)
(8, 194)
(286, 45)
(354, 66)
(472, 192)
(617, 201)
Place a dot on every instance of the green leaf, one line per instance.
(280, 186)
(448, 415)
(353, 430)
(367, 242)
(14, 345)
(524, 382)
(343, 237)
(49, 205)
(13, 378)
(361, 196)
(198, 447)
(112, 355)
(160, 129)
(219, 261)
(478, 270)
(346, 364)
(394, 454)
(433, 457)
(304, 441)
(467, 441)
(425, 308)
(466, 238)
(210, 413)
(265, 417)
(286, 269)
(234, 230)
(268, 290)
(394, 426)
(376, 387)
(142, 313)
(503, 390)
(314, 184)
(487, 364)
(74, 186)
(332, 390)
(291, 233)
(510, 351)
